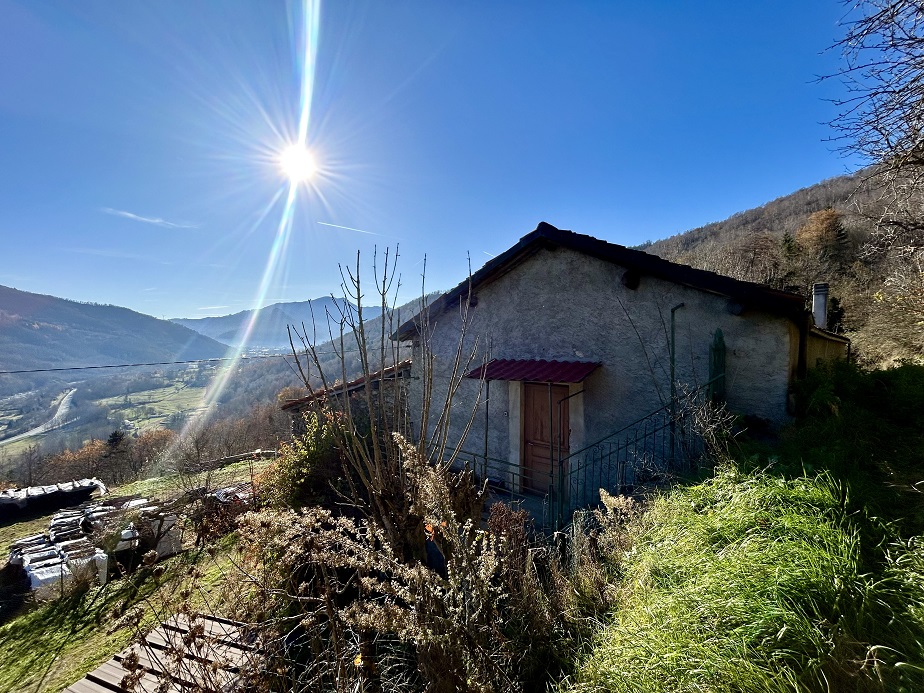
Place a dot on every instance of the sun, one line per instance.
(297, 164)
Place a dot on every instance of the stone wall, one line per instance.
(561, 304)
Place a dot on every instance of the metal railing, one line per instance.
(658, 445)
(507, 482)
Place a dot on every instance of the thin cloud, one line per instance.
(212, 307)
(15, 278)
(106, 252)
(117, 254)
(157, 221)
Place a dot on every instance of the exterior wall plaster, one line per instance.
(821, 349)
(562, 304)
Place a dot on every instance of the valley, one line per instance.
(93, 408)
(59, 389)
(60, 419)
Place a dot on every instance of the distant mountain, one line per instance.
(38, 331)
(260, 380)
(271, 326)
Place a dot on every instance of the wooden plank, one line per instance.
(216, 632)
(204, 647)
(192, 670)
(158, 651)
(210, 662)
(85, 686)
(109, 678)
(152, 659)
(230, 632)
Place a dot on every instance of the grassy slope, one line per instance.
(58, 642)
(11, 450)
(164, 401)
(756, 583)
(51, 645)
(781, 579)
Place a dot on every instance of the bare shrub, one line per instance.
(396, 584)
(339, 598)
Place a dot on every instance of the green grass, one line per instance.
(57, 643)
(17, 530)
(867, 430)
(756, 583)
(164, 401)
(9, 451)
(173, 485)
(50, 645)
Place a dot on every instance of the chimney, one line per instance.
(820, 305)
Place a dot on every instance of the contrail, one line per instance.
(348, 228)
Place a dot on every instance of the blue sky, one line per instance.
(139, 141)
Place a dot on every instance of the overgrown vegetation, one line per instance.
(804, 574)
(50, 645)
(795, 570)
(755, 582)
(795, 566)
(307, 469)
(867, 428)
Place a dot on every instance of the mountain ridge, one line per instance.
(39, 331)
(271, 322)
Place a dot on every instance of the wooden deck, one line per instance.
(202, 653)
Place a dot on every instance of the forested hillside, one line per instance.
(39, 331)
(829, 232)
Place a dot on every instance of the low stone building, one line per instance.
(583, 346)
(389, 381)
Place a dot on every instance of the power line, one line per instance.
(167, 363)
(136, 365)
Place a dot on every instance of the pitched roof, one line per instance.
(398, 370)
(546, 236)
(535, 370)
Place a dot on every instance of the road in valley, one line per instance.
(56, 421)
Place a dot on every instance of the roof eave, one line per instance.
(749, 294)
(833, 336)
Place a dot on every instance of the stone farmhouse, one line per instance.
(587, 356)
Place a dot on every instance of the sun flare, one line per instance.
(297, 163)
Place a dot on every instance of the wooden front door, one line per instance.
(541, 433)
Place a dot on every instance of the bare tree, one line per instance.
(378, 478)
(882, 117)
(882, 120)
